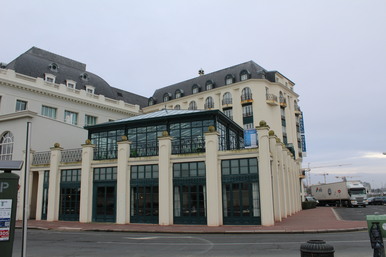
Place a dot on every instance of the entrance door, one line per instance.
(144, 204)
(189, 204)
(241, 203)
(104, 202)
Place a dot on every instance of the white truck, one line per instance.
(345, 193)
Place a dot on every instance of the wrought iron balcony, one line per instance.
(271, 99)
(283, 102)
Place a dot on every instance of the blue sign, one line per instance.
(250, 138)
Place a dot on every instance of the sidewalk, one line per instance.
(318, 220)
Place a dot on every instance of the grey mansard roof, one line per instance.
(254, 71)
(36, 62)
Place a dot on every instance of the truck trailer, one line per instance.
(345, 193)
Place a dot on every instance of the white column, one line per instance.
(123, 182)
(165, 180)
(265, 180)
(54, 184)
(279, 148)
(39, 200)
(86, 184)
(213, 179)
(275, 176)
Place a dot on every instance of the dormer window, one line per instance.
(229, 79)
(49, 78)
(151, 101)
(53, 67)
(70, 84)
(209, 85)
(178, 93)
(244, 75)
(90, 89)
(195, 89)
(167, 97)
(84, 76)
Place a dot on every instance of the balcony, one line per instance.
(227, 103)
(247, 98)
(283, 102)
(297, 110)
(271, 99)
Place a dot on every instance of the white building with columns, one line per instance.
(170, 167)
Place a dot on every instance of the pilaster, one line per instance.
(54, 184)
(265, 179)
(165, 180)
(85, 214)
(39, 200)
(275, 176)
(213, 179)
(123, 182)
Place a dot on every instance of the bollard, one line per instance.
(316, 248)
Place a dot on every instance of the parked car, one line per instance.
(377, 200)
(311, 199)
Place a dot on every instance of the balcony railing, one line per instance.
(246, 98)
(71, 155)
(283, 102)
(227, 101)
(41, 158)
(271, 99)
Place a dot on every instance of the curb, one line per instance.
(311, 231)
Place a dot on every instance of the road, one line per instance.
(48, 243)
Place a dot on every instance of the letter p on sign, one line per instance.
(3, 186)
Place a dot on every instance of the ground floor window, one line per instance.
(144, 207)
(189, 194)
(240, 190)
(69, 195)
(104, 194)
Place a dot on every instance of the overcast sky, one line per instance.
(334, 50)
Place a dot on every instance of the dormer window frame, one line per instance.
(151, 101)
(209, 85)
(229, 79)
(167, 97)
(245, 75)
(90, 89)
(71, 84)
(196, 88)
(50, 78)
(178, 93)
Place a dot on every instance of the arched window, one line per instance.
(244, 75)
(151, 101)
(192, 105)
(246, 94)
(209, 85)
(6, 146)
(227, 98)
(196, 89)
(177, 107)
(209, 104)
(229, 79)
(167, 97)
(179, 93)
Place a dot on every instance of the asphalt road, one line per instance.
(48, 243)
(359, 213)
